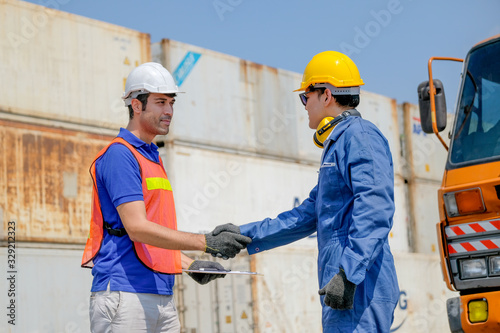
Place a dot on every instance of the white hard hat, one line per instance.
(150, 77)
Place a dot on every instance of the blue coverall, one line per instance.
(352, 209)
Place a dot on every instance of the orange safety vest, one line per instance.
(160, 209)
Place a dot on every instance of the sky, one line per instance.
(389, 40)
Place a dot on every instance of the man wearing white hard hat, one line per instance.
(134, 246)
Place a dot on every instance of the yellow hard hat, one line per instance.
(331, 67)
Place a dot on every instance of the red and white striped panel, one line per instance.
(472, 228)
(477, 245)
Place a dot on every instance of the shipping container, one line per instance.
(236, 104)
(422, 300)
(258, 112)
(399, 237)
(423, 167)
(382, 111)
(286, 295)
(65, 67)
(45, 185)
(423, 152)
(224, 305)
(239, 150)
(214, 187)
(287, 299)
(425, 214)
(50, 291)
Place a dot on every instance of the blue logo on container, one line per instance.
(417, 129)
(185, 67)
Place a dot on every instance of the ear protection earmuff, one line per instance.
(327, 125)
(324, 129)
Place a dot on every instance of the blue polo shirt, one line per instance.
(119, 181)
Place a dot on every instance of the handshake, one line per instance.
(226, 241)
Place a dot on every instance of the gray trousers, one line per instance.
(119, 311)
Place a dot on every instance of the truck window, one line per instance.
(476, 135)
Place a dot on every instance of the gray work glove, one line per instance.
(339, 292)
(204, 278)
(226, 241)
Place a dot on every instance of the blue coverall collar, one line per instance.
(337, 132)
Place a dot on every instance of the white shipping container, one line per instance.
(236, 104)
(214, 187)
(424, 160)
(425, 155)
(423, 294)
(65, 67)
(50, 293)
(426, 215)
(399, 237)
(224, 305)
(382, 111)
(286, 296)
(239, 105)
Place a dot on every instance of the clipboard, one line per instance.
(206, 271)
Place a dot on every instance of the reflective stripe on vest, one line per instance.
(156, 183)
(160, 209)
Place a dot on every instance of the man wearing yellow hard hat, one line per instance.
(351, 208)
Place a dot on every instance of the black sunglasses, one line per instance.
(303, 96)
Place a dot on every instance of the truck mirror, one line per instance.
(424, 104)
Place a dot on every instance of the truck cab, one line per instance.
(469, 198)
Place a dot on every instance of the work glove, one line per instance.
(204, 278)
(226, 241)
(339, 292)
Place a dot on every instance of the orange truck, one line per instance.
(469, 197)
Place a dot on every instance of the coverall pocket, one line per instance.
(329, 189)
(329, 261)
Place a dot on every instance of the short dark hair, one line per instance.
(143, 98)
(347, 100)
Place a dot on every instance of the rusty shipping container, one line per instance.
(45, 186)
